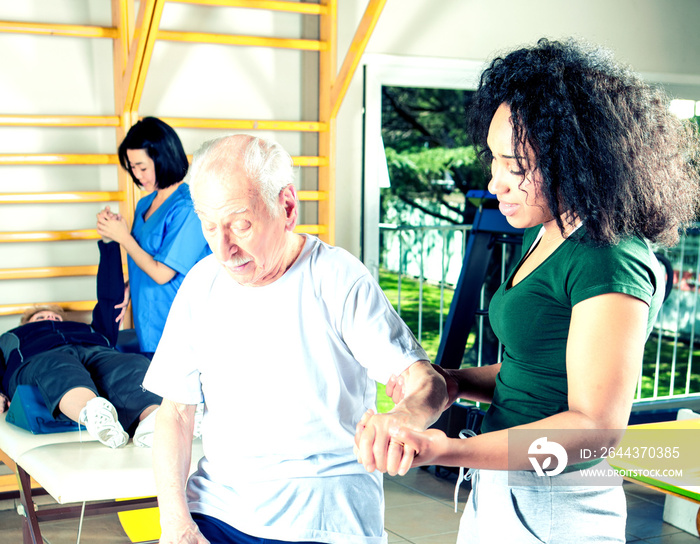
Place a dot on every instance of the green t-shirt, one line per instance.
(532, 319)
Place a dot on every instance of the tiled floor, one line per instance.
(419, 510)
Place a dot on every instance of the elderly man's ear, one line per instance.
(290, 203)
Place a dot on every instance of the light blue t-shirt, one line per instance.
(173, 236)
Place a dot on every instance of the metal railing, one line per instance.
(432, 256)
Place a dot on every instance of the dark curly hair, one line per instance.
(163, 147)
(607, 147)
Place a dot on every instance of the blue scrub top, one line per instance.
(173, 236)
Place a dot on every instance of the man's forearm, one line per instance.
(172, 456)
(425, 394)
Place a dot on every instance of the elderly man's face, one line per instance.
(240, 230)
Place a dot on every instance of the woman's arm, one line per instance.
(476, 383)
(604, 354)
(117, 229)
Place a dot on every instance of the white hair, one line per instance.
(265, 163)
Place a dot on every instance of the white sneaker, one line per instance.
(143, 437)
(100, 419)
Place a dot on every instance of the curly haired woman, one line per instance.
(587, 158)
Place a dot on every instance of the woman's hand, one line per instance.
(395, 388)
(113, 227)
(4, 403)
(105, 215)
(430, 445)
(123, 305)
(452, 383)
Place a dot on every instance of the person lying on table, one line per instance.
(79, 372)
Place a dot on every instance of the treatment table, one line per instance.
(74, 472)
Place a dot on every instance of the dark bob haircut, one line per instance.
(163, 147)
(606, 146)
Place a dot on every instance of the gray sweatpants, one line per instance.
(543, 512)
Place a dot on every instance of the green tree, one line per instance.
(431, 165)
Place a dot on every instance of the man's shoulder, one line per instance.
(334, 257)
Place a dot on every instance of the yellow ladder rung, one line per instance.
(312, 229)
(251, 41)
(310, 161)
(54, 29)
(71, 306)
(56, 158)
(62, 198)
(297, 161)
(47, 272)
(49, 236)
(312, 195)
(244, 124)
(272, 5)
(7, 120)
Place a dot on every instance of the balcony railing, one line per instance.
(429, 259)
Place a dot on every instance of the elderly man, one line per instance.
(283, 337)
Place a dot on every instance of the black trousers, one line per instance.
(107, 372)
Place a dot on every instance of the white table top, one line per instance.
(74, 471)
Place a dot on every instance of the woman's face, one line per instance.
(143, 168)
(518, 191)
(45, 315)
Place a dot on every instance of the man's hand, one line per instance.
(421, 394)
(187, 535)
(395, 387)
(376, 449)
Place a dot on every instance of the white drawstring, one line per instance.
(464, 433)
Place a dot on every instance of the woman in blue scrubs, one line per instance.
(166, 239)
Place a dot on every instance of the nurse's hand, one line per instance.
(430, 446)
(115, 228)
(4, 403)
(104, 215)
(395, 388)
